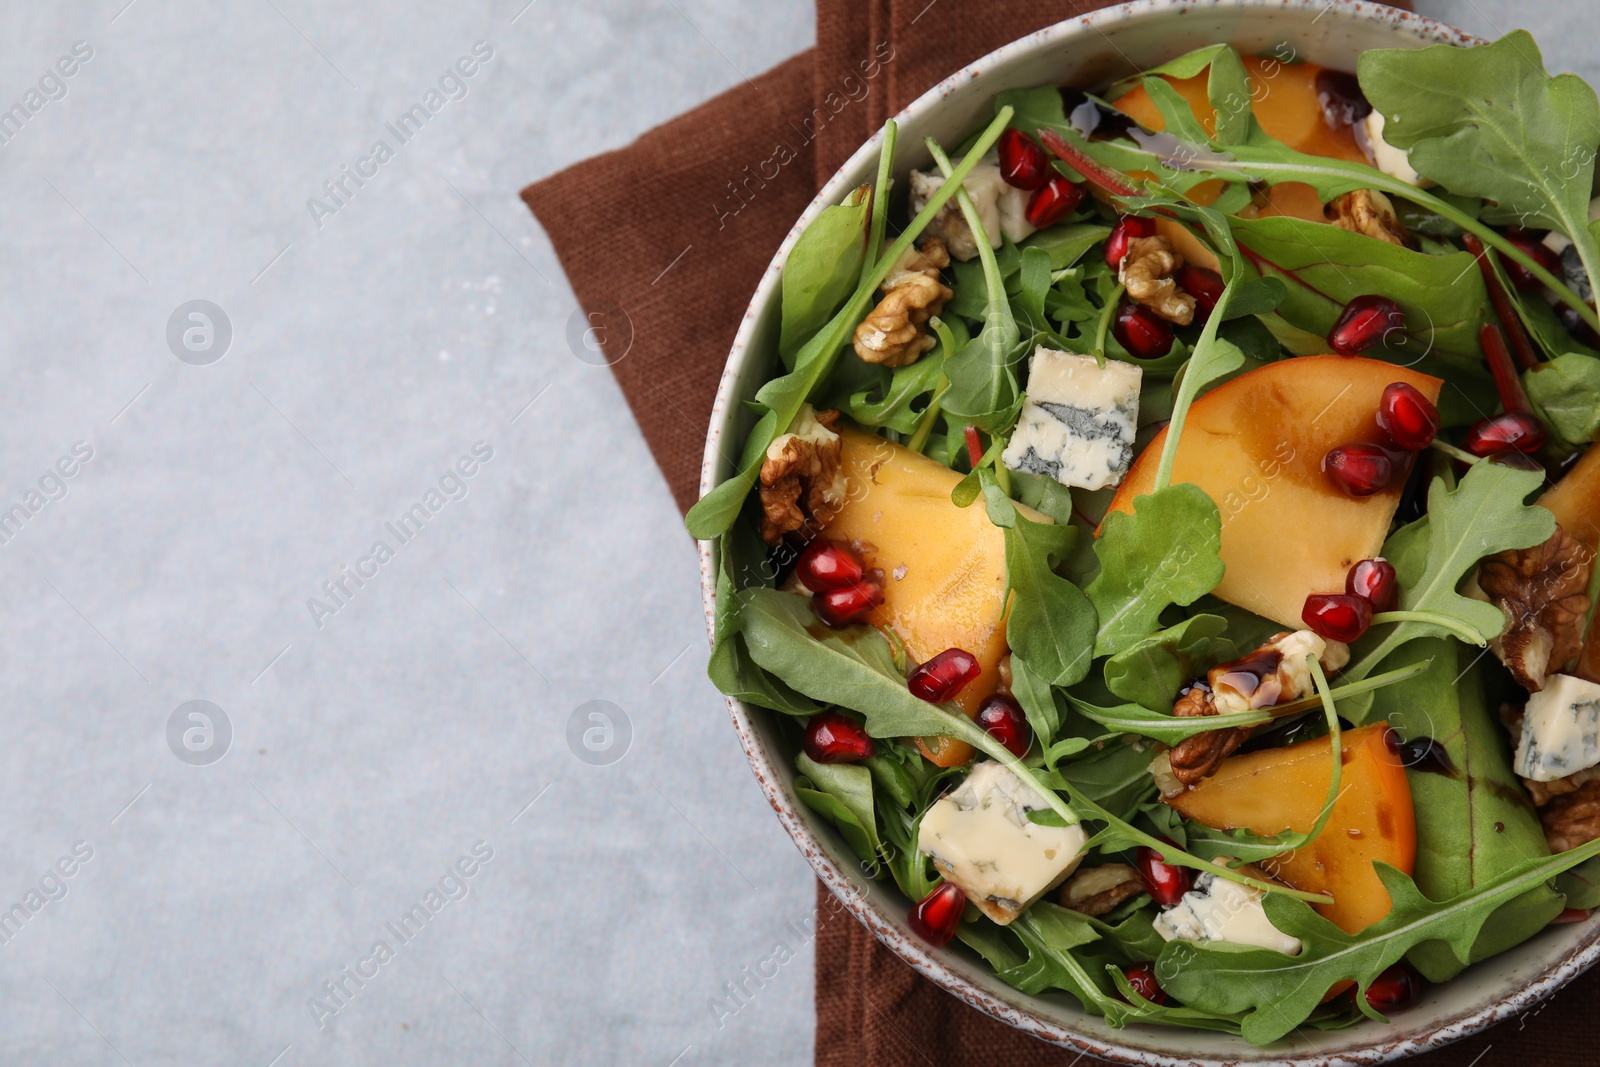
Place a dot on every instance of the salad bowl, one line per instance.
(1089, 51)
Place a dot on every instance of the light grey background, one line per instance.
(368, 754)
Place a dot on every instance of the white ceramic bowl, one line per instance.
(1086, 51)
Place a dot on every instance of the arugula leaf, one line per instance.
(1213, 357)
(1037, 698)
(1051, 624)
(1474, 821)
(1483, 515)
(732, 671)
(1567, 392)
(1166, 552)
(1490, 122)
(1229, 92)
(1152, 670)
(1178, 117)
(1277, 992)
(823, 269)
(1066, 244)
(901, 389)
(842, 793)
(1161, 726)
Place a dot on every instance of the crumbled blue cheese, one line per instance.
(980, 838)
(1078, 423)
(1002, 209)
(1219, 910)
(1393, 161)
(1560, 729)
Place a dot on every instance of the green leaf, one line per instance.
(1166, 552)
(1483, 515)
(1229, 92)
(891, 407)
(743, 565)
(1152, 670)
(823, 269)
(1189, 65)
(1473, 820)
(842, 792)
(1037, 698)
(1066, 244)
(1277, 992)
(1567, 392)
(1051, 623)
(1490, 122)
(1162, 726)
(1175, 112)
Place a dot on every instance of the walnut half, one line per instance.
(1147, 271)
(1098, 890)
(1572, 819)
(801, 483)
(1368, 212)
(1542, 592)
(894, 334)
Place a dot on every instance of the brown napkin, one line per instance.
(665, 240)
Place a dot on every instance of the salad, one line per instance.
(1169, 537)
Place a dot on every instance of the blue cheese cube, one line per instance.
(1078, 422)
(1560, 729)
(1219, 910)
(979, 838)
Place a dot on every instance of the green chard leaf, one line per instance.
(823, 269)
(1052, 624)
(1276, 993)
(1483, 515)
(1490, 122)
(1165, 553)
(1474, 819)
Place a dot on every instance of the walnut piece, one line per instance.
(1275, 673)
(1368, 212)
(894, 333)
(1098, 890)
(801, 483)
(1147, 272)
(1543, 593)
(1573, 819)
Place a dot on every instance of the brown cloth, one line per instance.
(665, 240)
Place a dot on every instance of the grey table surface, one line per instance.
(407, 758)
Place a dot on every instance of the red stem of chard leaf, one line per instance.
(1502, 307)
(1506, 381)
(1096, 173)
(974, 446)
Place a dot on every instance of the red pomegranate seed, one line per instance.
(1533, 246)
(1337, 616)
(1142, 332)
(1058, 198)
(842, 607)
(943, 676)
(1142, 977)
(1002, 719)
(832, 738)
(1571, 915)
(1396, 989)
(1375, 582)
(827, 565)
(1358, 469)
(1363, 323)
(1509, 431)
(1022, 162)
(1165, 883)
(935, 917)
(1205, 285)
(1409, 418)
(1127, 228)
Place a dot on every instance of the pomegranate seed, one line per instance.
(1363, 323)
(943, 676)
(1127, 228)
(1360, 470)
(1205, 285)
(1142, 332)
(1509, 431)
(829, 565)
(1533, 246)
(1571, 915)
(1409, 418)
(1165, 883)
(1396, 989)
(832, 738)
(1022, 162)
(1002, 719)
(842, 607)
(1337, 616)
(1142, 977)
(1375, 582)
(935, 917)
(1058, 198)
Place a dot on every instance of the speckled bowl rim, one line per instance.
(1368, 1044)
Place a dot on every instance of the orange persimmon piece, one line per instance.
(1284, 789)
